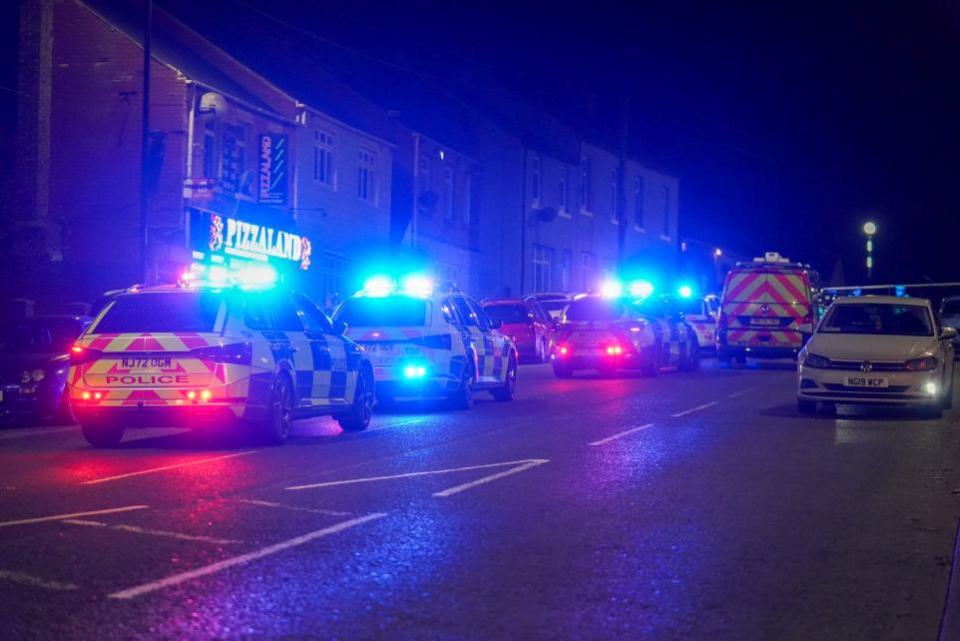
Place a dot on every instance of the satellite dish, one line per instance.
(214, 104)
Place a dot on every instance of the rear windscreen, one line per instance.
(595, 309)
(390, 311)
(507, 314)
(166, 312)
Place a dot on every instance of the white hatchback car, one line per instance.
(878, 350)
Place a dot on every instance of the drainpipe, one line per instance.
(191, 117)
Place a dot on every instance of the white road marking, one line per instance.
(165, 468)
(409, 475)
(296, 508)
(694, 409)
(493, 477)
(161, 533)
(72, 515)
(37, 431)
(741, 392)
(35, 582)
(175, 579)
(621, 434)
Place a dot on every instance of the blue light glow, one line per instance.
(685, 291)
(414, 371)
(379, 286)
(417, 285)
(641, 288)
(611, 288)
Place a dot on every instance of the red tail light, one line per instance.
(563, 351)
(614, 350)
(236, 353)
(80, 354)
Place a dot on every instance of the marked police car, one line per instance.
(199, 356)
(426, 343)
(609, 333)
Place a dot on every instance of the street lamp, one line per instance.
(870, 228)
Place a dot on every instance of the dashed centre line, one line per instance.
(213, 568)
(72, 515)
(295, 508)
(621, 434)
(159, 533)
(35, 582)
(741, 392)
(165, 468)
(493, 477)
(694, 409)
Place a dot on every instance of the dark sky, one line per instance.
(790, 124)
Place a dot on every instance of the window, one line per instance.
(566, 266)
(638, 201)
(588, 266)
(313, 319)
(614, 193)
(233, 157)
(562, 196)
(468, 198)
(665, 210)
(323, 158)
(467, 317)
(209, 150)
(536, 180)
(389, 311)
(585, 177)
(542, 264)
(448, 194)
(162, 312)
(483, 321)
(333, 267)
(366, 177)
(423, 185)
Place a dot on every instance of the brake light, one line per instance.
(235, 353)
(614, 350)
(437, 341)
(563, 350)
(80, 354)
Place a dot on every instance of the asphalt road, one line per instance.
(688, 506)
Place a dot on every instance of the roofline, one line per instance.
(340, 123)
(455, 150)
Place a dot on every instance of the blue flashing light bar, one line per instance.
(611, 288)
(417, 285)
(641, 288)
(685, 291)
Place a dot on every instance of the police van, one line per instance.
(200, 356)
(427, 342)
(766, 309)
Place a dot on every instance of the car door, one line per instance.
(289, 323)
(494, 347)
(472, 334)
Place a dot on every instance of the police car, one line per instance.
(617, 332)
(426, 343)
(194, 356)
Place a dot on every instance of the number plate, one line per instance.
(586, 339)
(145, 363)
(768, 322)
(385, 348)
(867, 381)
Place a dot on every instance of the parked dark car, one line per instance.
(34, 361)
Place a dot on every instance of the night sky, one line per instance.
(789, 125)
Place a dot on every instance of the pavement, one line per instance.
(685, 506)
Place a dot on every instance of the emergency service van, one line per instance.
(426, 342)
(215, 357)
(766, 309)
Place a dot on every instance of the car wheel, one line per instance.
(102, 434)
(361, 411)
(562, 371)
(806, 407)
(276, 426)
(64, 415)
(509, 388)
(462, 398)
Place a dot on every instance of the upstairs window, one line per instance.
(366, 176)
(638, 201)
(323, 158)
(536, 180)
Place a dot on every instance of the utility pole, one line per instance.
(622, 185)
(145, 145)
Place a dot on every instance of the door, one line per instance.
(494, 347)
(334, 359)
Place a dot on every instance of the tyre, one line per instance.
(542, 353)
(806, 407)
(275, 428)
(462, 397)
(358, 418)
(562, 371)
(102, 434)
(64, 414)
(509, 388)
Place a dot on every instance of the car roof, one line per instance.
(883, 300)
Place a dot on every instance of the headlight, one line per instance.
(816, 362)
(925, 364)
(34, 376)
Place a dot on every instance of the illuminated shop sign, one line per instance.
(272, 185)
(233, 237)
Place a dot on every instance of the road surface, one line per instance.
(686, 506)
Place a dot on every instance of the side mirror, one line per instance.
(948, 334)
(496, 324)
(339, 327)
